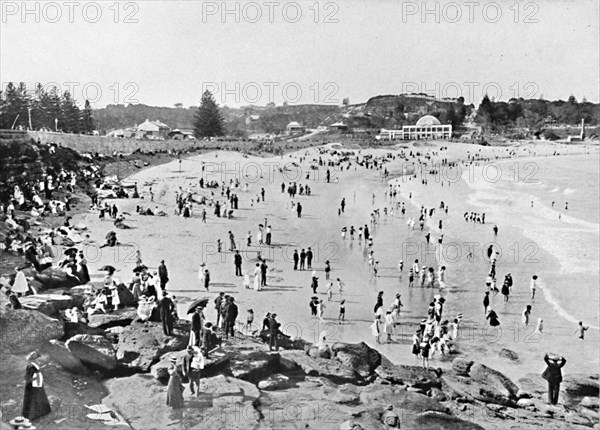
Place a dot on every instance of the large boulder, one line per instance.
(92, 350)
(379, 396)
(432, 420)
(120, 317)
(358, 356)
(213, 365)
(331, 369)
(483, 384)
(508, 354)
(252, 366)
(73, 329)
(141, 344)
(285, 342)
(52, 277)
(59, 352)
(578, 385)
(412, 376)
(22, 331)
(461, 366)
(274, 382)
(51, 303)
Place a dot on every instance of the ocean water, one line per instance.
(564, 236)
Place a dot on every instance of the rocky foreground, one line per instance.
(122, 363)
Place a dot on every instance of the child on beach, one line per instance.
(416, 349)
(581, 330)
(329, 291)
(525, 316)
(247, 280)
(533, 285)
(327, 269)
(341, 285)
(342, 315)
(411, 278)
(425, 347)
(375, 329)
(539, 328)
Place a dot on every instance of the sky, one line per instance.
(165, 52)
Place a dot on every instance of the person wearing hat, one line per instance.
(197, 326)
(273, 333)
(166, 308)
(175, 387)
(193, 363)
(315, 284)
(390, 418)
(163, 275)
(231, 315)
(218, 304)
(553, 375)
(35, 400)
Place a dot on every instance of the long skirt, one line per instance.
(35, 402)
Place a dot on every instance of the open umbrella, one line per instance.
(110, 269)
(203, 301)
(70, 251)
(140, 268)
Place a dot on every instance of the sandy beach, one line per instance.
(563, 253)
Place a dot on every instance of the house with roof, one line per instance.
(427, 127)
(182, 134)
(294, 127)
(338, 126)
(154, 130)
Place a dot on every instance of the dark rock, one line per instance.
(437, 394)
(22, 331)
(413, 376)
(73, 329)
(508, 354)
(433, 420)
(330, 369)
(580, 385)
(461, 366)
(51, 304)
(59, 353)
(120, 317)
(359, 356)
(285, 342)
(252, 365)
(483, 384)
(95, 351)
(142, 344)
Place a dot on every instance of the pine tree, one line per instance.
(70, 114)
(208, 121)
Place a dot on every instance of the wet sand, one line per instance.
(185, 243)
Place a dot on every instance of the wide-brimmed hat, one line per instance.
(21, 422)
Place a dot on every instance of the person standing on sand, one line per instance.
(237, 261)
(375, 329)
(581, 330)
(296, 258)
(299, 209)
(175, 387)
(321, 310)
(309, 257)
(495, 230)
(231, 241)
(166, 308)
(341, 286)
(533, 285)
(553, 375)
(525, 316)
(302, 259)
(163, 275)
(342, 315)
(257, 281)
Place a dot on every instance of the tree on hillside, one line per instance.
(208, 121)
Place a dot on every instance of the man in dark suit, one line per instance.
(231, 315)
(237, 261)
(273, 333)
(163, 275)
(166, 308)
(309, 257)
(296, 259)
(553, 375)
(197, 325)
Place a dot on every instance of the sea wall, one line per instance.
(106, 145)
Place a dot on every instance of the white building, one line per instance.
(427, 127)
(294, 127)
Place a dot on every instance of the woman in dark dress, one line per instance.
(35, 400)
(175, 387)
(493, 317)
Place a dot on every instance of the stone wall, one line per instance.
(106, 145)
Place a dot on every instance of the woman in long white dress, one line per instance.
(257, 278)
(375, 329)
(388, 326)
